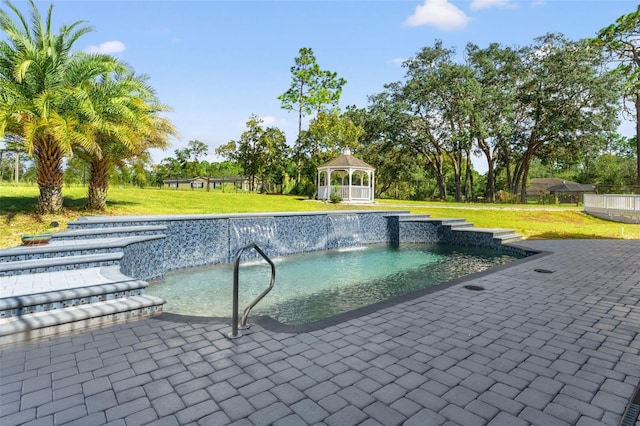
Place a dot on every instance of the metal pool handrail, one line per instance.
(236, 264)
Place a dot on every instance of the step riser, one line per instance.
(57, 253)
(80, 224)
(437, 221)
(496, 233)
(78, 318)
(509, 239)
(80, 301)
(410, 217)
(480, 238)
(501, 233)
(83, 325)
(460, 225)
(63, 237)
(66, 267)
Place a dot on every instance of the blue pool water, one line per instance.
(319, 285)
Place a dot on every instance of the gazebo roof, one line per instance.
(346, 160)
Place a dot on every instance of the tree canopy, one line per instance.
(260, 151)
(312, 90)
(621, 42)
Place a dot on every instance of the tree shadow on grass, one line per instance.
(79, 205)
(15, 205)
(28, 204)
(75, 204)
(121, 203)
(10, 206)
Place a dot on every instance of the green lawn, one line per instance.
(17, 204)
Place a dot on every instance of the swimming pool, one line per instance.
(319, 285)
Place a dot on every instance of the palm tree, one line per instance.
(40, 99)
(125, 121)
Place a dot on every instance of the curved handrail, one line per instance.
(245, 314)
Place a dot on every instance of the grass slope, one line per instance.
(17, 204)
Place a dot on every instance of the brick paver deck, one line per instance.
(559, 348)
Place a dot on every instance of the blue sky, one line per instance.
(217, 62)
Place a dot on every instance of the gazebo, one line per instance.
(349, 177)
(571, 192)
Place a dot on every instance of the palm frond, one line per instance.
(9, 26)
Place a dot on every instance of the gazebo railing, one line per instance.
(345, 192)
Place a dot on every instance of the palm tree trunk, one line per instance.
(49, 175)
(98, 184)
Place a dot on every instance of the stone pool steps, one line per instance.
(78, 248)
(67, 255)
(449, 222)
(498, 234)
(458, 230)
(73, 283)
(106, 297)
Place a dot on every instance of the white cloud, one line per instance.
(486, 4)
(398, 61)
(440, 14)
(107, 48)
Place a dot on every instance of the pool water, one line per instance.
(319, 285)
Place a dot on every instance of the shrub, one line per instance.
(335, 196)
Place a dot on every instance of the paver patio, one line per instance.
(559, 348)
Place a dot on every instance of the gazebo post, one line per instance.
(373, 185)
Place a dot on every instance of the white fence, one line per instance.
(619, 208)
(353, 193)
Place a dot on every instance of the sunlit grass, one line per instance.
(17, 204)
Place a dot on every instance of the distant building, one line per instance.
(563, 190)
(199, 182)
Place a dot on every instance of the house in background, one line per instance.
(558, 190)
(199, 182)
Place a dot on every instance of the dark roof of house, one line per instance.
(211, 179)
(536, 189)
(547, 181)
(572, 187)
(557, 185)
(180, 180)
